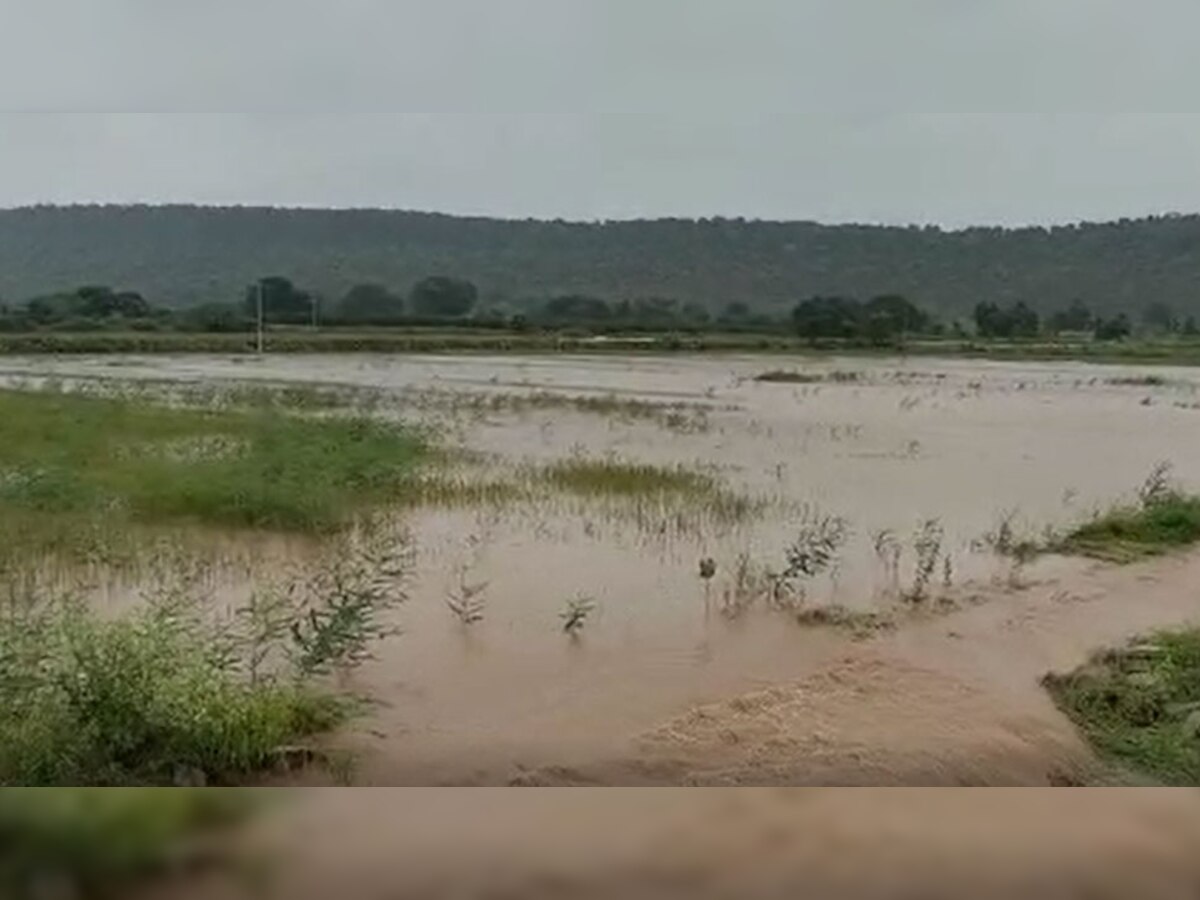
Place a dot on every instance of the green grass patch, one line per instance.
(653, 494)
(1132, 532)
(616, 478)
(86, 842)
(1137, 381)
(74, 469)
(1139, 706)
(785, 376)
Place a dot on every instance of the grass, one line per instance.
(616, 478)
(77, 472)
(653, 499)
(1131, 532)
(783, 376)
(1139, 706)
(862, 624)
(678, 416)
(1137, 381)
(424, 340)
(90, 843)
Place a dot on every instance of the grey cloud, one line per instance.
(598, 55)
(608, 108)
(943, 168)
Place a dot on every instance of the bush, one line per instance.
(166, 695)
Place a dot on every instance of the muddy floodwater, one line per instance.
(887, 445)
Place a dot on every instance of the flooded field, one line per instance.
(579, 626)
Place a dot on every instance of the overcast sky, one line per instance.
(1050, 110)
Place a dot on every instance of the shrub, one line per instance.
(166, 695)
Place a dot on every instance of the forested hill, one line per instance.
(180, 255)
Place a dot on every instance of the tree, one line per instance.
(1159, 316)
(443, 297)
(282, 301)
(655, 312)
(1115, 329)
(695, 313)
(575, 308)
(1017, 321)
(1189, 326)
(827, 317)
(101, 302)
(215, 317)
(890, 316)
(1076, 317)
(735, 312)
(372, 304)
(989, 320)
(1024, 321)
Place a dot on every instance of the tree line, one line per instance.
(451, 302)
(184, 256)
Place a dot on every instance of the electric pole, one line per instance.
(259, 294)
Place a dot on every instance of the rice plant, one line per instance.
(575, 615)
(467, 602)
(888, 551)
(927, 544)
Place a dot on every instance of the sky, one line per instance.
(1042, 110)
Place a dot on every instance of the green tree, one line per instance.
(827, 317)
(1076, 317)
(1017, 321)
(695, 314)
(215, 317)
(1159, 316)
(735, 312)
(372, 304)
(575, 308)
(282, 301)
(1024, 321)
(443, 297)
(890, 316)
(1114, 329)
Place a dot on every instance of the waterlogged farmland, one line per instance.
(592, 546)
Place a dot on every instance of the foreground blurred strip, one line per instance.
(751, 843)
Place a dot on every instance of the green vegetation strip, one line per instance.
(1181, 352)
(86, 842)
(1127, 533)
(1139, 707)
(673, 486)
(73, 468)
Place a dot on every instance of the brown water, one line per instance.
(866, 845)
(513, 697)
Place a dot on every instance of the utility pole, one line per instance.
(259, 294)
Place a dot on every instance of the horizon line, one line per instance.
(516, 219)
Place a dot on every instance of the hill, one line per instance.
(182, 255)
